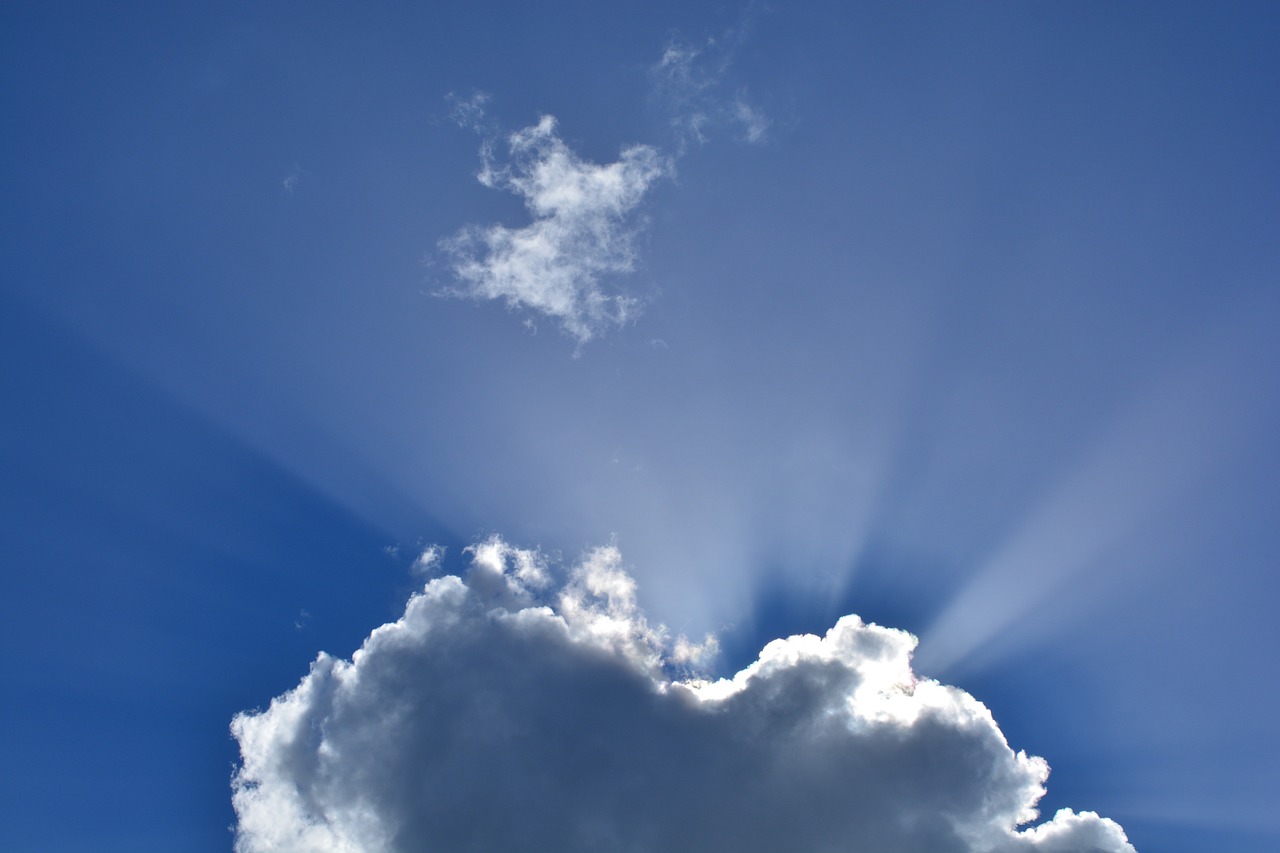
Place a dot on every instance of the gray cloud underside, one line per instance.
(505, 711)
(583, 229)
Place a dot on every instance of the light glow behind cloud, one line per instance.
(526, 707)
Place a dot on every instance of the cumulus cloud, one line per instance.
(523, 706)
(583, 229)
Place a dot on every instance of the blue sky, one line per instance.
(958, 319)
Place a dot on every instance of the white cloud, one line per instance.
(689, 81)
(429, 561)
(684, 85)
(525, 707)
(291, 180)
(583, 229)
(754, 123)
(469, 112)
(584, 215)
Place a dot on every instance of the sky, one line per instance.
(830, 426)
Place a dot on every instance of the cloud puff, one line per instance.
(429, 561)
(523, 707)
(583, 229)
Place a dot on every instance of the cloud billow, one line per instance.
(514, 709)
(583, 229)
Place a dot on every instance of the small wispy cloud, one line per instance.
(469, 112)
(690, 81)
(584, 223)
(292, 178)
(585, 216)
(754, 123)
(528, 707)
(429, 561)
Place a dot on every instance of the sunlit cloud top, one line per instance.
(525, 706)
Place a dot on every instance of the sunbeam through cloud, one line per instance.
(526, 707)
(959, 317)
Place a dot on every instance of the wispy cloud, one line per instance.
(429, 561)
(585, 216)
(523, 706)
(583, 228)
(690, 81)
(753, 122)
(291, 180)
(469, 112)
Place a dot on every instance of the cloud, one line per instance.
(689, 80)
(754, 123)
(429, 561)
(469, 112)
(291, 180)
(527, 707)
(584, 215)
(583, 229)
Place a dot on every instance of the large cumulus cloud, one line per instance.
(525, 708)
